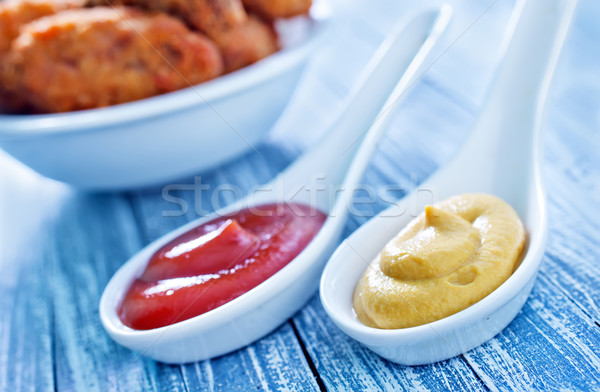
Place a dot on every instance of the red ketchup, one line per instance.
(217, 262)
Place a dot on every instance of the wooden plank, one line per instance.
(554, 343)
(94, 234)
(275, 362)
(572, 168)
(426, 132)
(572, 262)
(551, 345)
(201, 195)
(272, 363)
(418, 157)
(27, 355)
(423, 135)
(532, 364)
(346, 365)
(416, 143)
(26, 350)
(573, 180)
(90, 240)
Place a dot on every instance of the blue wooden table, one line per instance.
(59, 246)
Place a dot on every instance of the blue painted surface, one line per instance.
(59, 247)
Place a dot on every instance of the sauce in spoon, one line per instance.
(217, 262)
(337, 161)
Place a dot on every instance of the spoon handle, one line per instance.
(503, 148)
(394, 68)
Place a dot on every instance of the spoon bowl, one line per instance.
(501, 157)
(339, 159)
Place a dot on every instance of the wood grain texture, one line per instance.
(59, 247)
(275, 362)
(572, 252)
(91, 240)
(345, 365)
(551, 345)
(26, 336)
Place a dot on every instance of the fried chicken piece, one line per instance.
(96, 57)
(247, 44)
(273, 9)
(13, 15)
(242, 39)
(16, 13)
(212, 17)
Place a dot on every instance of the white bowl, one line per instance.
(173, 135)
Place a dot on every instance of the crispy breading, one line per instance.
(273, 9)
(212, 17)
(242, 40)
(247, 43)
(16, 13)
(102, 56)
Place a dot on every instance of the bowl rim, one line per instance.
(205, 93)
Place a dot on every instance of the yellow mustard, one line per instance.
(451, 256)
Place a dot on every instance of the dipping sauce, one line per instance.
(217, 262)
(450, 257)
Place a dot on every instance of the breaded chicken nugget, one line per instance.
(15, 13)
(278, 8)
(242, 39)
(247, 43)
(96, 57)
(212, 17)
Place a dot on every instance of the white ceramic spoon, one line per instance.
(339, 159)
(501, 157)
